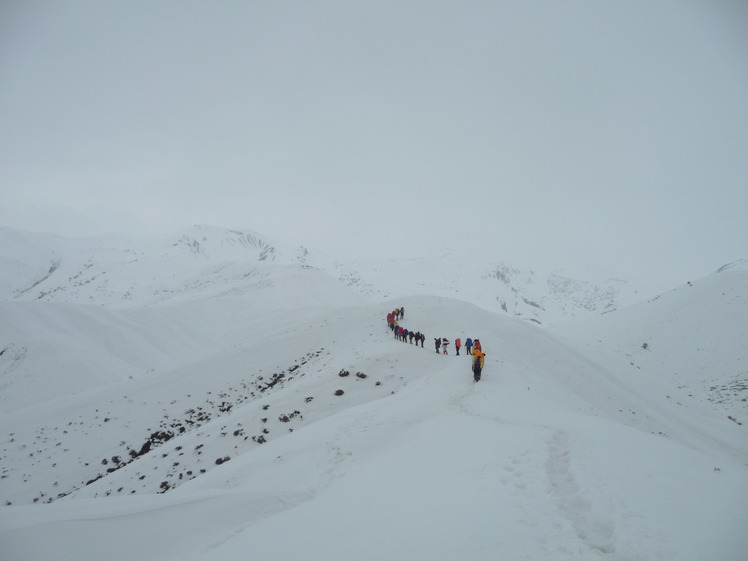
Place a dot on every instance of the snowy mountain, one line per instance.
(207, 261)
(640, 343)
(530, 294)
(202, 262)
(217, 395)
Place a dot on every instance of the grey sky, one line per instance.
(614, 134)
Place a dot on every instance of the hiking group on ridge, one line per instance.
(472, 347)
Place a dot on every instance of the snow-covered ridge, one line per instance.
(551, 296)
(535, 295)
(684, 344)
(264, 400)
(210, 241)
(206, 261)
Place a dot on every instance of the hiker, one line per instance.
(410, 336)
(445, 345)
(468, 346)
(478, 361)
(458, 344)
(437, 344)
(402, 312)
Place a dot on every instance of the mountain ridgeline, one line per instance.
(207, 261)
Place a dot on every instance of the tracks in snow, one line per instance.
(595, 533)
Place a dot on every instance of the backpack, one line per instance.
(476, 362)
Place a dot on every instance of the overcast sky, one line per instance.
(608, 133)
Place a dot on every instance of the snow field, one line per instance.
(557, 453)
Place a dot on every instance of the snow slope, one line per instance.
(285, 421)
(685, 345)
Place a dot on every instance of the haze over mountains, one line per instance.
(216, 394)
(212, 261)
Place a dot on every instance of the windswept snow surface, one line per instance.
(283, 421)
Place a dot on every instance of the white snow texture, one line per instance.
(215, 396)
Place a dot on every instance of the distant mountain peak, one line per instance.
(212, 241)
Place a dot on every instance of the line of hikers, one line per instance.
(402, 334)
(472, 348)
